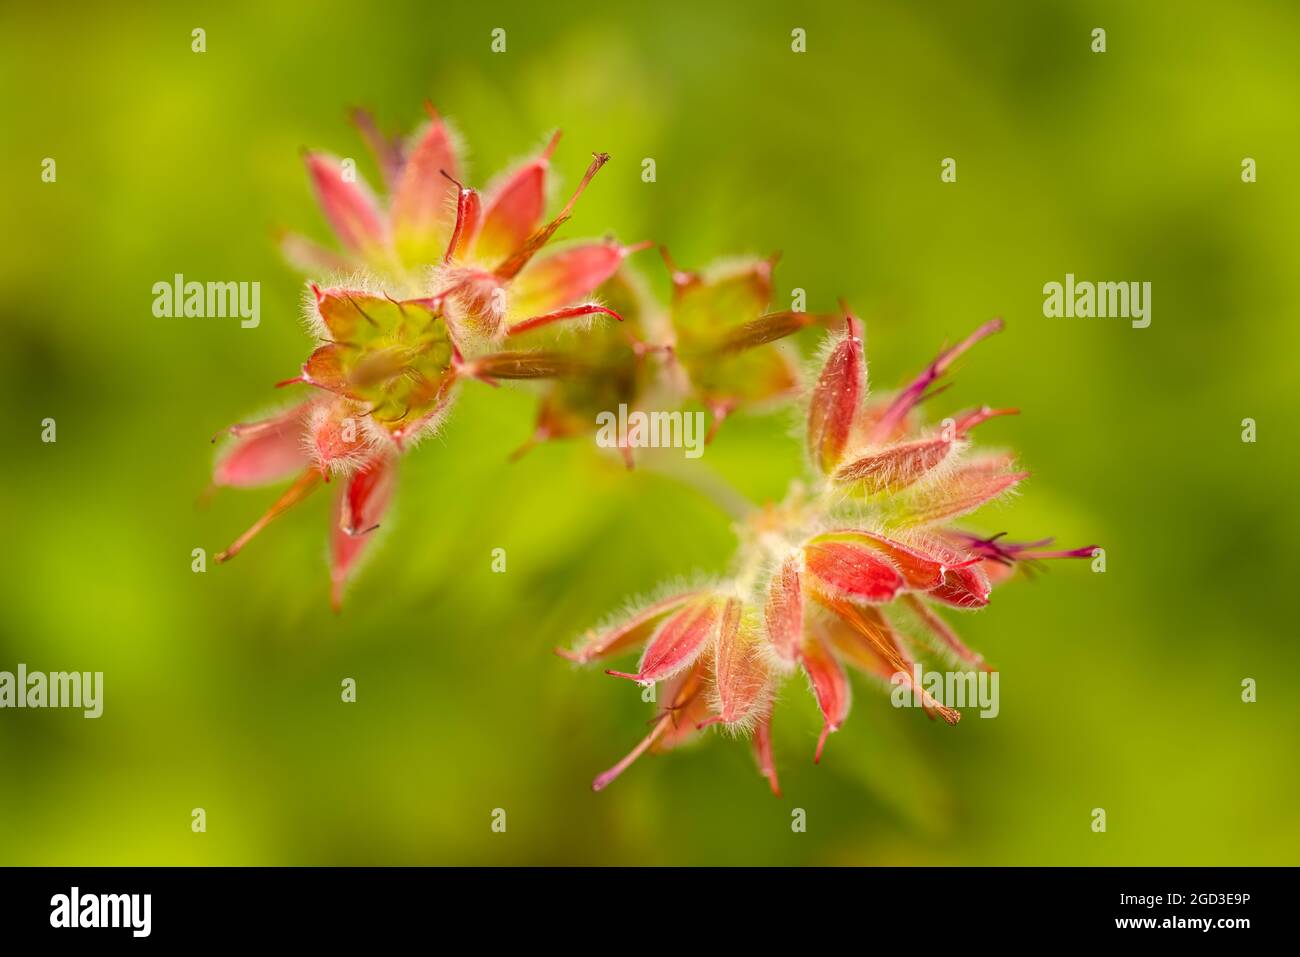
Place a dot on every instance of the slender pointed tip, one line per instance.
(1085, 552)
(853, 330)
(827, 731)
(623, 674)
(720, 411)
(569, 655)
(630, 758)
(540, 434)
(300, 489)
(980, 334)
(680, 277)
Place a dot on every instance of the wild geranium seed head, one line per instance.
(437, 277)
(847, 573)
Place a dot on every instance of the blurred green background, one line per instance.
(1119, 691)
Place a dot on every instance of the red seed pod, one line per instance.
(836, 398)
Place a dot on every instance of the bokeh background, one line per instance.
(1119, 690)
